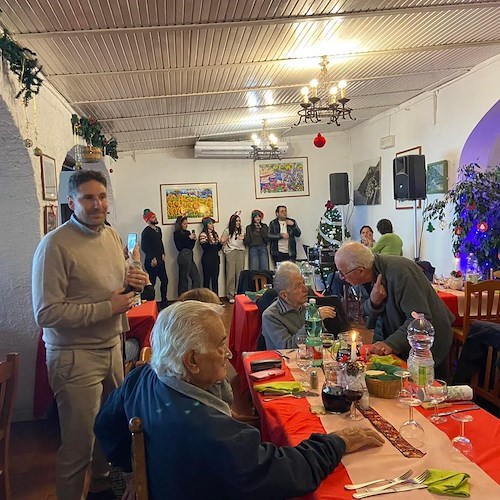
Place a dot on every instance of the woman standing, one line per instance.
(256, 239)
(234, 250)
(184, 242)
(210, 260)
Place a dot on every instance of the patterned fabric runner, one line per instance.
(389, 431)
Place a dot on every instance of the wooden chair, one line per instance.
(139, 458)
(487, 295)
(259, 281)
(9, 371)
(486, 382)
(144, 356)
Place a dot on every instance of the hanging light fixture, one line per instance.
(319, 100)
(265, 146)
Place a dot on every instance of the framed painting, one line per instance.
(194, 200)
(49, 218)
(49, 181)
(367, 187)
(408, 204)
(437, 177)
(281, 178)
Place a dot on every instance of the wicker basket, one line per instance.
(387, 389)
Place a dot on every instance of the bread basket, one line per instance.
(387, 389)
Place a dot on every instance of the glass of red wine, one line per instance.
(352, 394)
(333, 394)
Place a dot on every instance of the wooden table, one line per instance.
(288, 421)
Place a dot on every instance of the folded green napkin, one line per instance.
(388, 369)
(284, 387)
(385, 360)
(446, 482)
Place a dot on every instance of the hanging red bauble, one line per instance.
(482, 227)
(319, 141)
(471, 206)
(110, 170)
(458, 230)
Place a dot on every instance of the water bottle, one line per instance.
(420, 335)
(314, 327)
(308, 274)
(472, 270)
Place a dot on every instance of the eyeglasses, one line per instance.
(343, 275)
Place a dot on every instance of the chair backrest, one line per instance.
(9, 371)
(139, 458)
(486, 382)
(482, 302)
(259, 281)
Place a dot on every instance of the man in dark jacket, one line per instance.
(399, 288)
(194, 448)
(282, 234)
(152, 246)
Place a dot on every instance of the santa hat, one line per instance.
(207, 220)
(147, 214)
(257, 212)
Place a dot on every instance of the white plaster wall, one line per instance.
(21, 219)
(137, 186)
(442, 133)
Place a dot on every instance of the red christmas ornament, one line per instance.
(458, 230)
(482, 227)
(329, 205)
(471, 206)
(319, 141)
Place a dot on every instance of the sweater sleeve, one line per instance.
(147, 243)
(277, 335)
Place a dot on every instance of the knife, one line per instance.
(451, 412)
(410, 487)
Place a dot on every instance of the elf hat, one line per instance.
(207, 220)
(148, 215)
(257, 212)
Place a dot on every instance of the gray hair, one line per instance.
(355, 255)
(283, 275)
(180, 328)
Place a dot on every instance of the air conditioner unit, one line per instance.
(242, 149)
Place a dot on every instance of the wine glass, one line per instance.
(437, 390)
(461, 444)
(353, 393)
(411, 430)
(403, 374)
(305, 358)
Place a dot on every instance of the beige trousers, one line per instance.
(81, 380)
(235, 263)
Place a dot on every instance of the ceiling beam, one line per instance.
(340, 16)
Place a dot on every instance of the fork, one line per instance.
(414, 480)
(398, 479)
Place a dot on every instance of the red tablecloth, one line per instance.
(244, 332)
(288, 421)
(451, 302)
(141, 320)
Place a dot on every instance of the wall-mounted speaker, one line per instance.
(339, 188)
(409, 177)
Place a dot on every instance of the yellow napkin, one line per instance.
(446, 482)
(284, 387)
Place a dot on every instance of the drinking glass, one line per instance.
(411, 430)
(403, 374)
(305, 358)
(437, 390)
(353, 392)
(461, 444)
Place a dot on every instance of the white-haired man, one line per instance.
(399, 288)
(195, 449)
(284, 320)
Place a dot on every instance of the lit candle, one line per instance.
(342, 86)
(333, 95)
(314, 88)
(305, 95)
(354, 338)
(457, 263)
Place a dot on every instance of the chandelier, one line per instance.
(265, 146)
(324, 102)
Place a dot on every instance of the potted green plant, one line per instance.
(97, 144)
(475, 202)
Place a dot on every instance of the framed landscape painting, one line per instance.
(437, 177)
(194, 200)
(281, 178)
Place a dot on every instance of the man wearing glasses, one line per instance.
(399, 287)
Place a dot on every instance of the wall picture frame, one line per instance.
(49, 179)
(284, 178)
(408, 204)
(49, 218)
(194, 200)
(437, 177)
(366, 180)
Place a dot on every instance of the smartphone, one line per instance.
(131, 241)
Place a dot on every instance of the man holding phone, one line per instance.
(154, 251)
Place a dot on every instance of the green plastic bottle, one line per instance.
(314, 328)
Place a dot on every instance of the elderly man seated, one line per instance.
(194, 448)
(399, 288)
(284, 320)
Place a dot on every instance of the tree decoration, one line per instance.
(330, 227)
(24, 64)
(319, 141)
(475, 203)
(430, 227)
(91, 131)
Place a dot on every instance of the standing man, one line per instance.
(282, 234)
(152, 246)
(79, 279)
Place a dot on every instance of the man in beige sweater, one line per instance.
(79, 280)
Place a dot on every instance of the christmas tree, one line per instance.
(330, 227)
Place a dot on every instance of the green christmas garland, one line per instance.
(24, 64)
